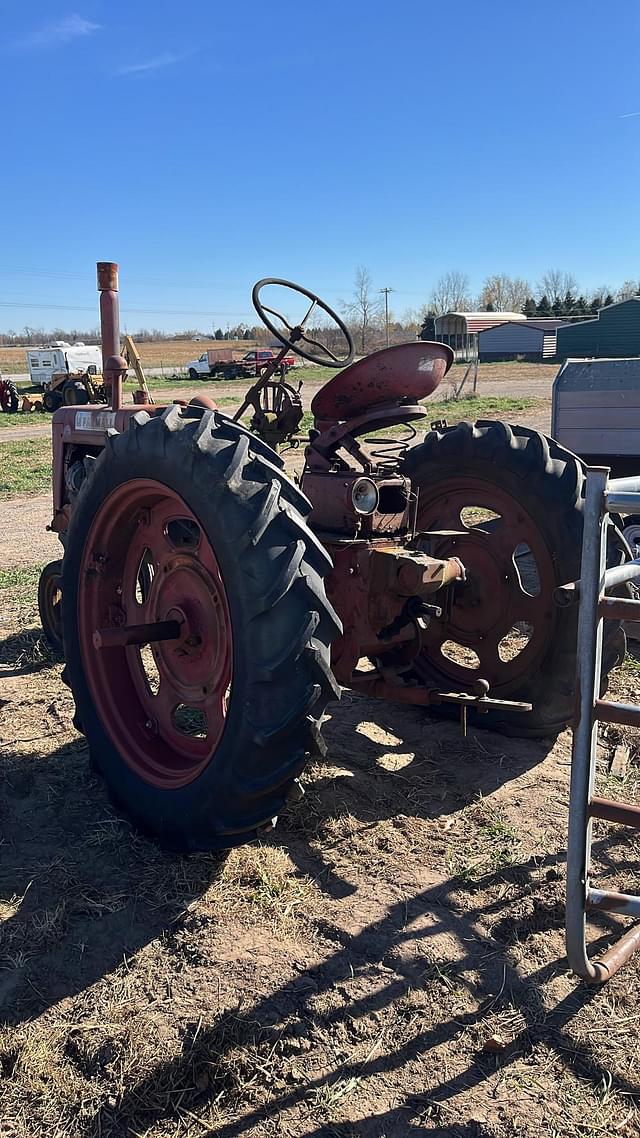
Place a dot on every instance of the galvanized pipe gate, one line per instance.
(602, 498)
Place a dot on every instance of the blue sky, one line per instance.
(203, 145)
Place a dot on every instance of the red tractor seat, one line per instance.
(404, 373)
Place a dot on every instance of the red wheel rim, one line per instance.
(503, 591)
(164, 706)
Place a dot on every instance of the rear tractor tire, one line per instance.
(9, 399)
(516, 499)
(200, 733)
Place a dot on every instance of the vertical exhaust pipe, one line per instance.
(114, 367)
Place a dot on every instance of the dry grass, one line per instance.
(167, 353)
(25, 466)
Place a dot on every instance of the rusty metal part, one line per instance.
(606, 966)
(380, 687)
(495, 596)
(112, 362)
(265, 375)
(115, 372)
(619, 608)
(608, 711)
(405, 373)
(332, 437)
(409, 572)
(609, 810)
(153, 633)
(369, 583)
(607, 901)
(334, 512)
(277, 412)
(203, 401)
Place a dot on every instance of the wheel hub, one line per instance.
(148, 564)
(503, 612)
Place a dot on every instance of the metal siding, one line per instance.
(615, 333)
(598, 442)
(596, 407)
(511, 339)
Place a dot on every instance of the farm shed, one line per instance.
(595, 411)
(615, 332)
(521, 339)
(460, 329)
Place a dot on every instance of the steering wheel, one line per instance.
(293, 335)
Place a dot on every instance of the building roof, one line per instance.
(616, 303)
(547, 323)
(543, 325)
(478, 321)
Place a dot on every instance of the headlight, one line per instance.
(364, 495)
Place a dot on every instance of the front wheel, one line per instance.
(50, 604)
(51, 401)
(193, 374)
(509, 503)
(200, 724)
(75, 394)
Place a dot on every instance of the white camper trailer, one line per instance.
(59, 357)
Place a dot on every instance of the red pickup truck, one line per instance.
(224, 363)
(255, 361)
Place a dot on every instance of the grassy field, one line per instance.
(25, 467)
(35, 419)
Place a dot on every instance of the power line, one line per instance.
(209, 312)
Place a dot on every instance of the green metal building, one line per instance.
(615, 332)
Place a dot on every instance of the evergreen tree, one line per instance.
(607, 300)
(581, 307)
(489, 306)
(558, 307)
(543, 308)
(568, 304)
(428, 330)
(219, 334)
(530, 308)
(596, 304)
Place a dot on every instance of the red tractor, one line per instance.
(211, 608)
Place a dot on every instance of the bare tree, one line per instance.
(627, 289)
(503, 293)
(412, 320)
(364, 309)
(451, 293)
(555, 285)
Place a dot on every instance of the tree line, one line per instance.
(30, 337)
(556, 294)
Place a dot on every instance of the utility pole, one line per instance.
(386, 292)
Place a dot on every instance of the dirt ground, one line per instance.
(388, 963)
